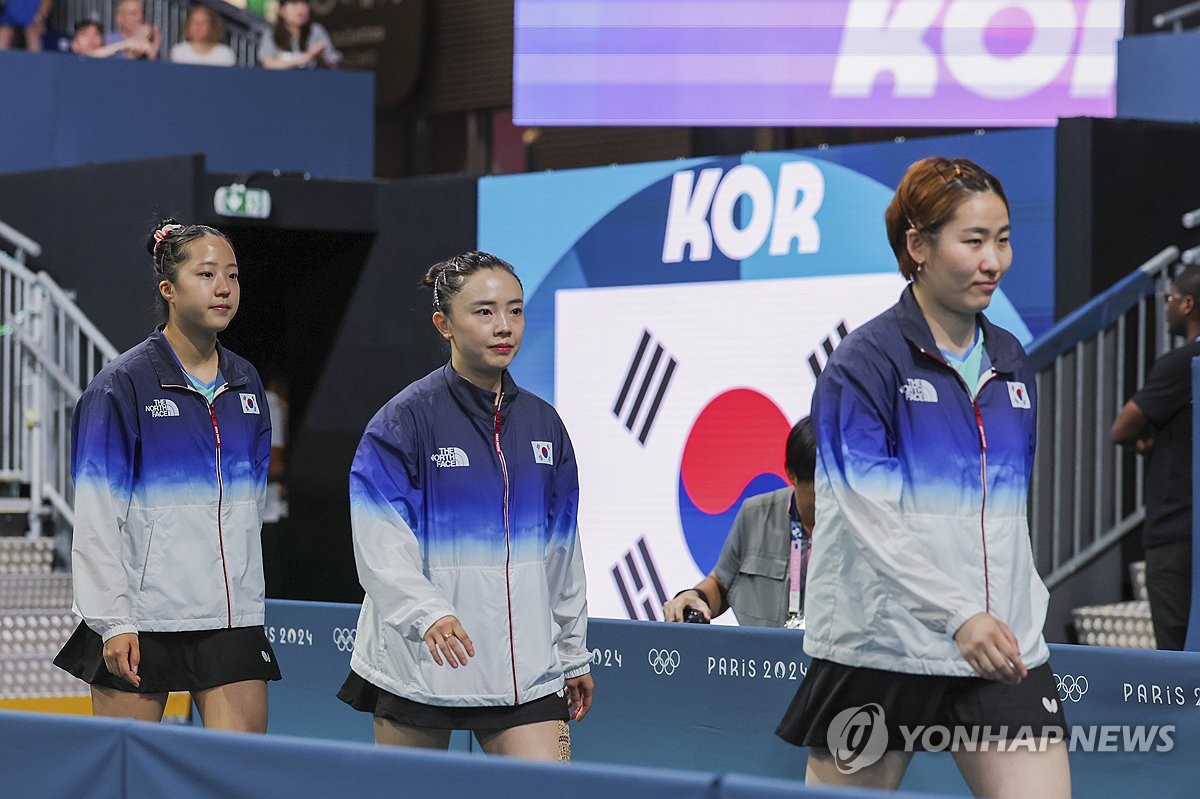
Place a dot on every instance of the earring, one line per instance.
(920, 267)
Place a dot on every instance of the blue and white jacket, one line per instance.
(921, 500)
(169, 494)
(464, 506)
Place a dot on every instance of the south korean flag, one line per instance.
(680, 408)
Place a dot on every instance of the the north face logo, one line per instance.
(919, 390)
(447, 457)
(162, 407)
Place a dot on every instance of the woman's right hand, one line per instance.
(122, 656)
(446, 637)
(991, 649)
(675, 608)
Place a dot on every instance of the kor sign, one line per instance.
(997, 49)
(804, 62)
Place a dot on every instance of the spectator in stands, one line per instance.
(28, 16)
(171, 447)
(923, 600)
(296, 42)
(770, 539)
(88, 40)
(143, 40)
(463, 500)
(1157, 420)
(202, 35)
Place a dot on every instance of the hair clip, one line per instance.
(161, 234)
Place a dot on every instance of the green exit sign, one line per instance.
(237, 200)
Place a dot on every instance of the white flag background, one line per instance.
(756, 334)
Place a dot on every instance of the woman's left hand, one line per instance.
(579, 695)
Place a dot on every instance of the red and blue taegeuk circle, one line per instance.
(734, 450)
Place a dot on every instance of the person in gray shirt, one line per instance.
(753, 571)
(296, 42)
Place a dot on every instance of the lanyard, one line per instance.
(797, 568)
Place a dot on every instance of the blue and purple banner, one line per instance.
(937, 63)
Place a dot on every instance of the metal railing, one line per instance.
(1086, 492)
(1176, 16)
(49, 352)
(242, 29)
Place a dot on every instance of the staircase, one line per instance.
(1120, 624)
(48, 354)
(35, 621)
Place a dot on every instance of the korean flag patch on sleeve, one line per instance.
(1018, 394)
(543, 452)
(249, 403)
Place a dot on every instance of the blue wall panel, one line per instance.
(65, 110)
(1156, 77)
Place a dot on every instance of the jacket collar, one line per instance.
(1004, 352)
(170, 373)
(477, 402)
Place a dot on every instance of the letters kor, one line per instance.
(996, 49)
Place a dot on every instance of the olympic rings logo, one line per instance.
(343, 638)
(1070, 687)
(663, 661)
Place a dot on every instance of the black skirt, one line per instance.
(362, 695)
(920, 700)
(184, 661)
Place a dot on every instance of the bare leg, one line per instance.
(389, 733)
(126, 705)
(885, 773)
(33, 38)
(542, 740)
(1019, 774)
(237, 706)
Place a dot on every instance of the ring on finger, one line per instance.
(447, 635)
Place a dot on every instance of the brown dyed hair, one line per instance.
(927, 197)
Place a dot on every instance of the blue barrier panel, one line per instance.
(740, 786)
(66, 110)
(708, 698)
(49, 755)
(1156, 79)
(165, 761)
(72, 756)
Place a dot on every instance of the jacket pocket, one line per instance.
(181, 575)
(757, 595)
(762, 566)
(149, 554)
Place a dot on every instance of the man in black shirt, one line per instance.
(1158, 421)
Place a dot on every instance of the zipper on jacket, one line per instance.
(212, 415)
(507, 546)
(212, 412)
(987, 588)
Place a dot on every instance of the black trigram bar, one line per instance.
(639, 583)
(652, 381)
(820, 356)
